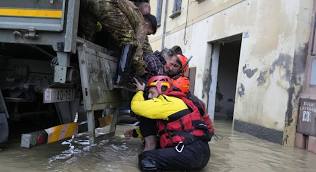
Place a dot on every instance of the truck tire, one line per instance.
(4, 128)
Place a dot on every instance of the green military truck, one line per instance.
(46, 69)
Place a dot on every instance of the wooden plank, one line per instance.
(104, 125)
(311, 147)
(300, 141)
(104, 121)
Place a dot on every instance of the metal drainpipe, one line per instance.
(164, 26)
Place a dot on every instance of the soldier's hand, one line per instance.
(140, 86)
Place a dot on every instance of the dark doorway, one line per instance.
(227, 79)
(224, 72)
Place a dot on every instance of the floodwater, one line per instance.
(231, 151)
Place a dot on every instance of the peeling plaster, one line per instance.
(300, 58)
(296, 82)
(262, 78)
(288, 113)
(241, 90)
(294, 92)
(249, 72)
(284, 62)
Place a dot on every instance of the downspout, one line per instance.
(164, 26)
(185, 41)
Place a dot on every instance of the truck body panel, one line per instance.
(40, 22)
(54, 24)
(36, 14)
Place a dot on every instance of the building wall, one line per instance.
(273, 51)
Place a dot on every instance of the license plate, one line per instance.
(54, 95)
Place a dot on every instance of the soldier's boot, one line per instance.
(124, 65)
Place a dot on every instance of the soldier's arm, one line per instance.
(137, 21)
(147, 47)
(135, 18)
(131, 11)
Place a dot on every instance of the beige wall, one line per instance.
(196, 12)
(275, 36)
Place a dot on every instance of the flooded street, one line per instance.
(231, 151)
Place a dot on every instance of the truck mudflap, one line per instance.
(97, 71)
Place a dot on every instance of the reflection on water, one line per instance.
(115, 154)
(241, 152)
(231, 151)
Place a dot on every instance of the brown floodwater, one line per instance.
(231, 151)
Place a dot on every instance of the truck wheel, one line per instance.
(4, 128)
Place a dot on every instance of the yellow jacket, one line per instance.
(156, 108)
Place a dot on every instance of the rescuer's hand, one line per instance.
(140, 86)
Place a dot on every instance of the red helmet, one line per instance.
(184, 63)
(162, 83)
(182, 83)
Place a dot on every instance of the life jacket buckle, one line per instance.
(177, 147)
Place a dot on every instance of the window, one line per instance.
(176, 8)
(158, 14)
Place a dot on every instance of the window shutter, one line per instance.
(176, 8)
(158, 13)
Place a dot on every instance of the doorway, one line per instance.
(224, 72)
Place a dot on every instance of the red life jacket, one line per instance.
(184, 126)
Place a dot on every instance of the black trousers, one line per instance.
(147, 126)
(194, 156)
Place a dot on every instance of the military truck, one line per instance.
(45, 68)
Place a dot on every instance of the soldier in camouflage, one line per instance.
(124, 21)
(144, 8)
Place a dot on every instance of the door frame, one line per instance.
(214, 74)
(215, 46)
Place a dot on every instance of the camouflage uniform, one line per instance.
(122, 19)
(147, 47)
